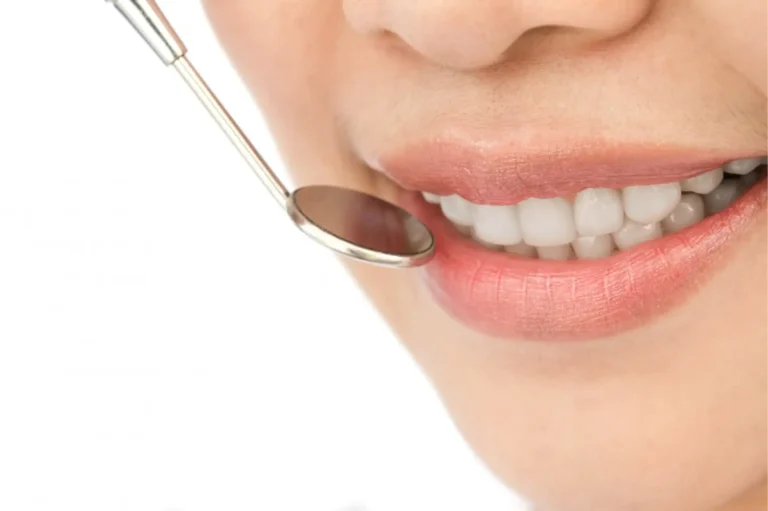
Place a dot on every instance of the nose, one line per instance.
(467, 34)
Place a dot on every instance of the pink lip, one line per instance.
(513, 297)
(496, 175)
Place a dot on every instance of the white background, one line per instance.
(168, 341)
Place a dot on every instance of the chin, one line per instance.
(566, 444)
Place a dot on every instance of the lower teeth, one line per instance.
(599, 222)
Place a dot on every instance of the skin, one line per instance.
(667, 417)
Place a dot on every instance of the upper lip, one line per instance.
(506, 174)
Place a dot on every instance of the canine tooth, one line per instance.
(650, 203)
(558, 253)
(521, 249)
(598, 211)
(497, 224)
(743, 166)
(593, 247)
(722, 196)
(703, 183)
(457, 209)
(633, 233)
(431, 197)
(689, 211)
(547, 222)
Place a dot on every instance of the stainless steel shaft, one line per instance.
(149, 21)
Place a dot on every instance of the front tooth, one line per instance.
(489, 246)
(650, 203)
(722, 196)
(743, 166)
(598, 211)
(703, 183)
(497, 224)
(558, 253)
(593, 247)
(521, 249)
(431, 198)
(689, 211)
(633, 233)
(547, 222)
(457, 209)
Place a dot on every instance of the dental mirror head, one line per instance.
(361, 226)
(349, 222)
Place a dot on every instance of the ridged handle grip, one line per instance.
(150, 22)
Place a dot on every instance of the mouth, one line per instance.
(569, 248)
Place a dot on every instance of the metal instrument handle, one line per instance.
(150, 22)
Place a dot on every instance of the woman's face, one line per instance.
(631, 376)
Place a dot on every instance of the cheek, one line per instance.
(264, 43)
(737, 33)
(283, 51)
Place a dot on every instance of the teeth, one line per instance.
(746, 181)
(633, 233)
(547, 222)
(599, 221)
(650, 203)
(593, 247)
(457, 210)
(689, 211)
(743, 166)
(521, 249)
(722, 197)
(558, 253)
(489, 246)
(498, 225)
(703, 183)
(598, 211)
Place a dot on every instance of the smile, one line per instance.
(538, 248)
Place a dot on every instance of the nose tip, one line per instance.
(463, 34)
(455, 41)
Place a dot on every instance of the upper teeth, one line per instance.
(743, 166)
(703, 183)
(547, 222)
(599, 219)
(499, 225)
(598, 211)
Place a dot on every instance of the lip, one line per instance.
(492, 173)
(508, 296)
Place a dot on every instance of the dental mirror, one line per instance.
(350, 222)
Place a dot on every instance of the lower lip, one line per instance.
(507, 296)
